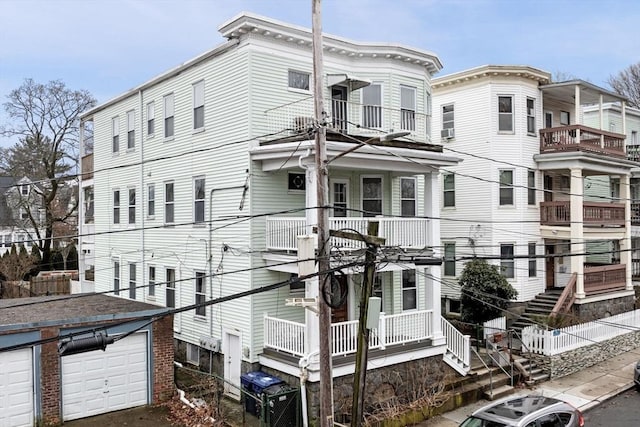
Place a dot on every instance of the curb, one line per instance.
(605, 397)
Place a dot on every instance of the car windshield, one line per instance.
(479, 422)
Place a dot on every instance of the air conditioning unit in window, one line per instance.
(447, 133)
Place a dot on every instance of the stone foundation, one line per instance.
(601, 309)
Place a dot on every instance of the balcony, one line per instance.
(409, 233)
(594, 214)
(393, 330)
(604, 278)
(347, 117)
(582, 138)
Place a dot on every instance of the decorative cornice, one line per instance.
(489, 71)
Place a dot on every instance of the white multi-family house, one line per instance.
(543, 193)
(17, 202)
(204, 177)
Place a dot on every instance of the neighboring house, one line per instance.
(41, 387)
(536, 192)
(17, 202)
(204, 177)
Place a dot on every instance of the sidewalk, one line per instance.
(584, 389)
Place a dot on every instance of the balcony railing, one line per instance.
(411, 233)
(395, 329)
(347, 117)
(582, 138)
(594, 214)
(635, 213)
(605, 278)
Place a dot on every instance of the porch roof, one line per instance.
(596, 163)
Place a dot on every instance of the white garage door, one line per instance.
(103, 381)
(16, 388)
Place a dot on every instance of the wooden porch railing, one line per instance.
(605, 278)
(582, 138)
(567, 298)
(594, 214)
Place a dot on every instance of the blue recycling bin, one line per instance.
(253, 383)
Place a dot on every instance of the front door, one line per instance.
(339, 299)
(550, 266)
(339, 108)
(232, 361)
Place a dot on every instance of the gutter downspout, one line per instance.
(304, 375)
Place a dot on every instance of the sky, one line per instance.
(110, 46)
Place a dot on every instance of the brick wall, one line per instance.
(50, 378)
(163, 385)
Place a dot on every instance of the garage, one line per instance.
(99, 381)
(16, 388)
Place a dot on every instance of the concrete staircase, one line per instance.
(538, 308)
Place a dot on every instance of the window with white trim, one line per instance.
(151, 118)
(88, 205)
(132, 206)
(151, 200)
(449, 190)
(407, 107)
(198, 105)
(340, 197)
(131, 129)
(450, 259)
(565, 118)
(193, 354)
(200, 294)
(299, 80)
(506, 187)
(198, 200)
(531, 115)
(507, 261)
(505, 113)
(533, 261)
(116, 277)
(409, 290)
(115, 135)
(116, 206)
(531, 187)
(371, 196)
(372, 106)
(132, 280)
(170, 293)
(168, 203)
(168, 116)
(448, 114)
(378, 289)
(408, 197)
(151, 289)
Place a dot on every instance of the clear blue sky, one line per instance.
(110, 46)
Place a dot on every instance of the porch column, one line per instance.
(432, 282)
(306, 252)
(626, 254)
(577, 119)
(311, 199)
(577, 233)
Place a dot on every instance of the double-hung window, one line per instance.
(116, 206)
(506, 187)
(409, 290)
(88, 205)
(505, 113)
(152, 281)
(132, 206)
(372, 106)
(116, 277)
(533, 262)
(168, 203)
(507, 262)
(151, 119)
(449, 190)
(531, 187)
(407, 197)
(449, 259)
(448, 113)
(132, 280)
(565, 118)
(198, 200)
(407, 108)
(198, 105)
(131, 129)
(170, 294)
(168, 116)
(151, 200)
(371, 196)
(340, 196)
(201, 294)
(299, 80)
(531, 115)
(115, 135)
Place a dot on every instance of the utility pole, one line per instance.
(322, 191)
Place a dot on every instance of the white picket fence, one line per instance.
(556, 341)
(494, 326)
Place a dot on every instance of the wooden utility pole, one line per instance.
(362, 354)
(322, 191)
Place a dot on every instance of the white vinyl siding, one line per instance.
(198, 105)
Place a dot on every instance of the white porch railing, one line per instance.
(558, 341)
(494, 326)
(458, 354)
(287, 336)
(282, 232)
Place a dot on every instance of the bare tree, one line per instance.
(45, 118)
(627, 83)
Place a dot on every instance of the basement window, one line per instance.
(193, 354)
